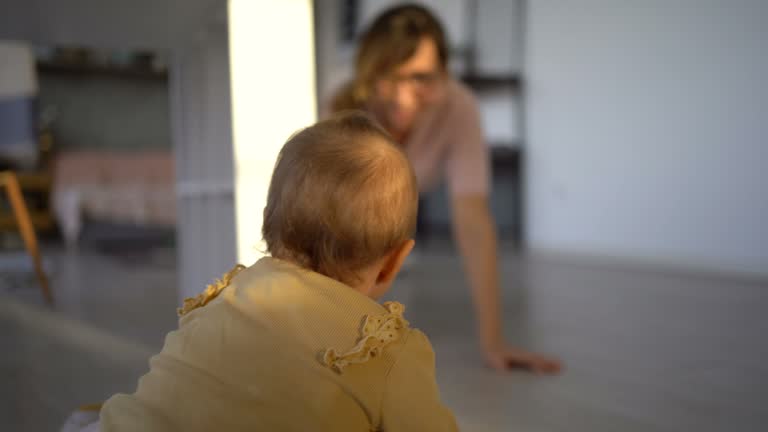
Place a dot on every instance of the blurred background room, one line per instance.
(628, 141)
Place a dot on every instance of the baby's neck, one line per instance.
(364, 286)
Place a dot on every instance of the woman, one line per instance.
(401, 78)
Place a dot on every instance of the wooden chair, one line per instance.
(10, 183)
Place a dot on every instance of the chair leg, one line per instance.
(26, 229)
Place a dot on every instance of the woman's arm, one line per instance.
(475, 232)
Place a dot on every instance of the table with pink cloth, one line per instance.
(123, 187)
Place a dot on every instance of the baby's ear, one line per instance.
(394, 262)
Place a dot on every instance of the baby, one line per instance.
(298, 342)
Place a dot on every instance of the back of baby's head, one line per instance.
(342, 196)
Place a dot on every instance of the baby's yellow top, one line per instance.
(281, 348)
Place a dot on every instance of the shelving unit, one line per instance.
(89, 71)
(506, 157)
(480, 82)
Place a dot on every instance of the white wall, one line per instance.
(499, 36)
(266, 113)
(499, 47)
(203, 151)
(648, 131)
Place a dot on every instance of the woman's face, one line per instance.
(412, 88)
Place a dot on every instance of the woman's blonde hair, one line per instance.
(342, 196)
(388, 42)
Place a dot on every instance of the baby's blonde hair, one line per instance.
(342, 196)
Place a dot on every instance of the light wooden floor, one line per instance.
(644, 351)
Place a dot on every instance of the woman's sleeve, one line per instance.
(467, 167)
(411, 400)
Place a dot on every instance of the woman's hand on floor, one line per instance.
(505, 358)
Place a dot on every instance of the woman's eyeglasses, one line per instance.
(423, 81)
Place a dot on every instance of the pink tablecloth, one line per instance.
(131, 187)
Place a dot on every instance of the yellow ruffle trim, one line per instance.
(210, 293)
(378, 331)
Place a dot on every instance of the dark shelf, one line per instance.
(505, 146)
(489, 81)
(505, 158)
(101, 71)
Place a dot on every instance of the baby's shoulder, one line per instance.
(381, 332)
(416, 341)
